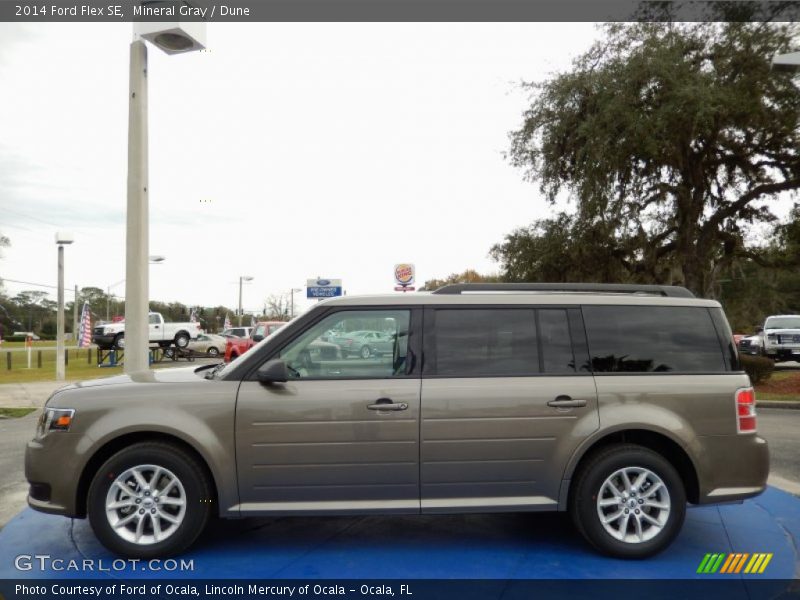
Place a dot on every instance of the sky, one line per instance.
(284, 152)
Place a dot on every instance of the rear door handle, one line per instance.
(566, 402)
(387, 404)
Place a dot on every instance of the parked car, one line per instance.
(616, 403)
(238, 332)
(750, 344)
(208, 343)
(235, 347)
(112, 335)
(364, 343)
(780, 337)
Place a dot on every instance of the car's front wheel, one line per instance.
(213, 352)
(628, 501)
(150, 500)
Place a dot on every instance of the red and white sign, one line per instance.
(404, 274)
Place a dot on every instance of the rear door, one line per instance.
(506, 399)
(342, 435)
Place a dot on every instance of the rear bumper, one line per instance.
(732, 468)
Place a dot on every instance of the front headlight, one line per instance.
(55, 419)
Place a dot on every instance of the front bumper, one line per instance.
(784, 352)
(50, 464)
(732, 468)
(103, 341)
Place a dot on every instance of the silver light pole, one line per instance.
(241, 279)
(172, 38)
(291, 309)
(62, 239)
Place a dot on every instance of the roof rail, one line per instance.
(672, 291)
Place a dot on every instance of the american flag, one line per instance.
(227, 324)
(85, 329)
(193, 316)
(252, 321)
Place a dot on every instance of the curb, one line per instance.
(790, 404)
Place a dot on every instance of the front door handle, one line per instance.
(566, 402)
(387, 404)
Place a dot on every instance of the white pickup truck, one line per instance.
(112, 335)
(780, 337)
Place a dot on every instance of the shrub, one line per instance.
(758, 368)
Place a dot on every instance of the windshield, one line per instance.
(782, 323)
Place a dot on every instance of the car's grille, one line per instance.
(98, 331)
(744, 343)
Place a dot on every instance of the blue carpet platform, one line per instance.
(504, 547)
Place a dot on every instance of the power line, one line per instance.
(44, 285)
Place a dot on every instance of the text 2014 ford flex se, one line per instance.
(617, 403)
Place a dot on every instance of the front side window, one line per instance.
(153, 319)
(652, 339)
(366, 344)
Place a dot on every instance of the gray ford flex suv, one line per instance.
(619, 404)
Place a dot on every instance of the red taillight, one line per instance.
(746, 410)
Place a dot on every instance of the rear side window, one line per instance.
(498, 342)
(652, 339)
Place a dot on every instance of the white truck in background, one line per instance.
(112, 335)
(780, 337)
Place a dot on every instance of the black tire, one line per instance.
(213, 352)
(588, 484)
(119, 342)
(365, 352)
(192, 477)
(182, 339)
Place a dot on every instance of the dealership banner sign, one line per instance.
(323, 288)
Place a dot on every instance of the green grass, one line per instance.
(39, 344)
(779, 397)
(15, 413)
(77, 367)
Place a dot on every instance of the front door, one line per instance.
(343, 434)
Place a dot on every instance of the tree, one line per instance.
(4, 243)
(672, 140)
(468, 276)
(277, 307)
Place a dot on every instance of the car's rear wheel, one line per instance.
(182, 340)
(151, 499)
(628, 501)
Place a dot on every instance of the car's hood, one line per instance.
(178, 375)
(783, 331)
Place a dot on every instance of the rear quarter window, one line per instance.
(653, 339)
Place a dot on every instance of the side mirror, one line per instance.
(258, 338)
(759, 329)
(273, 371)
